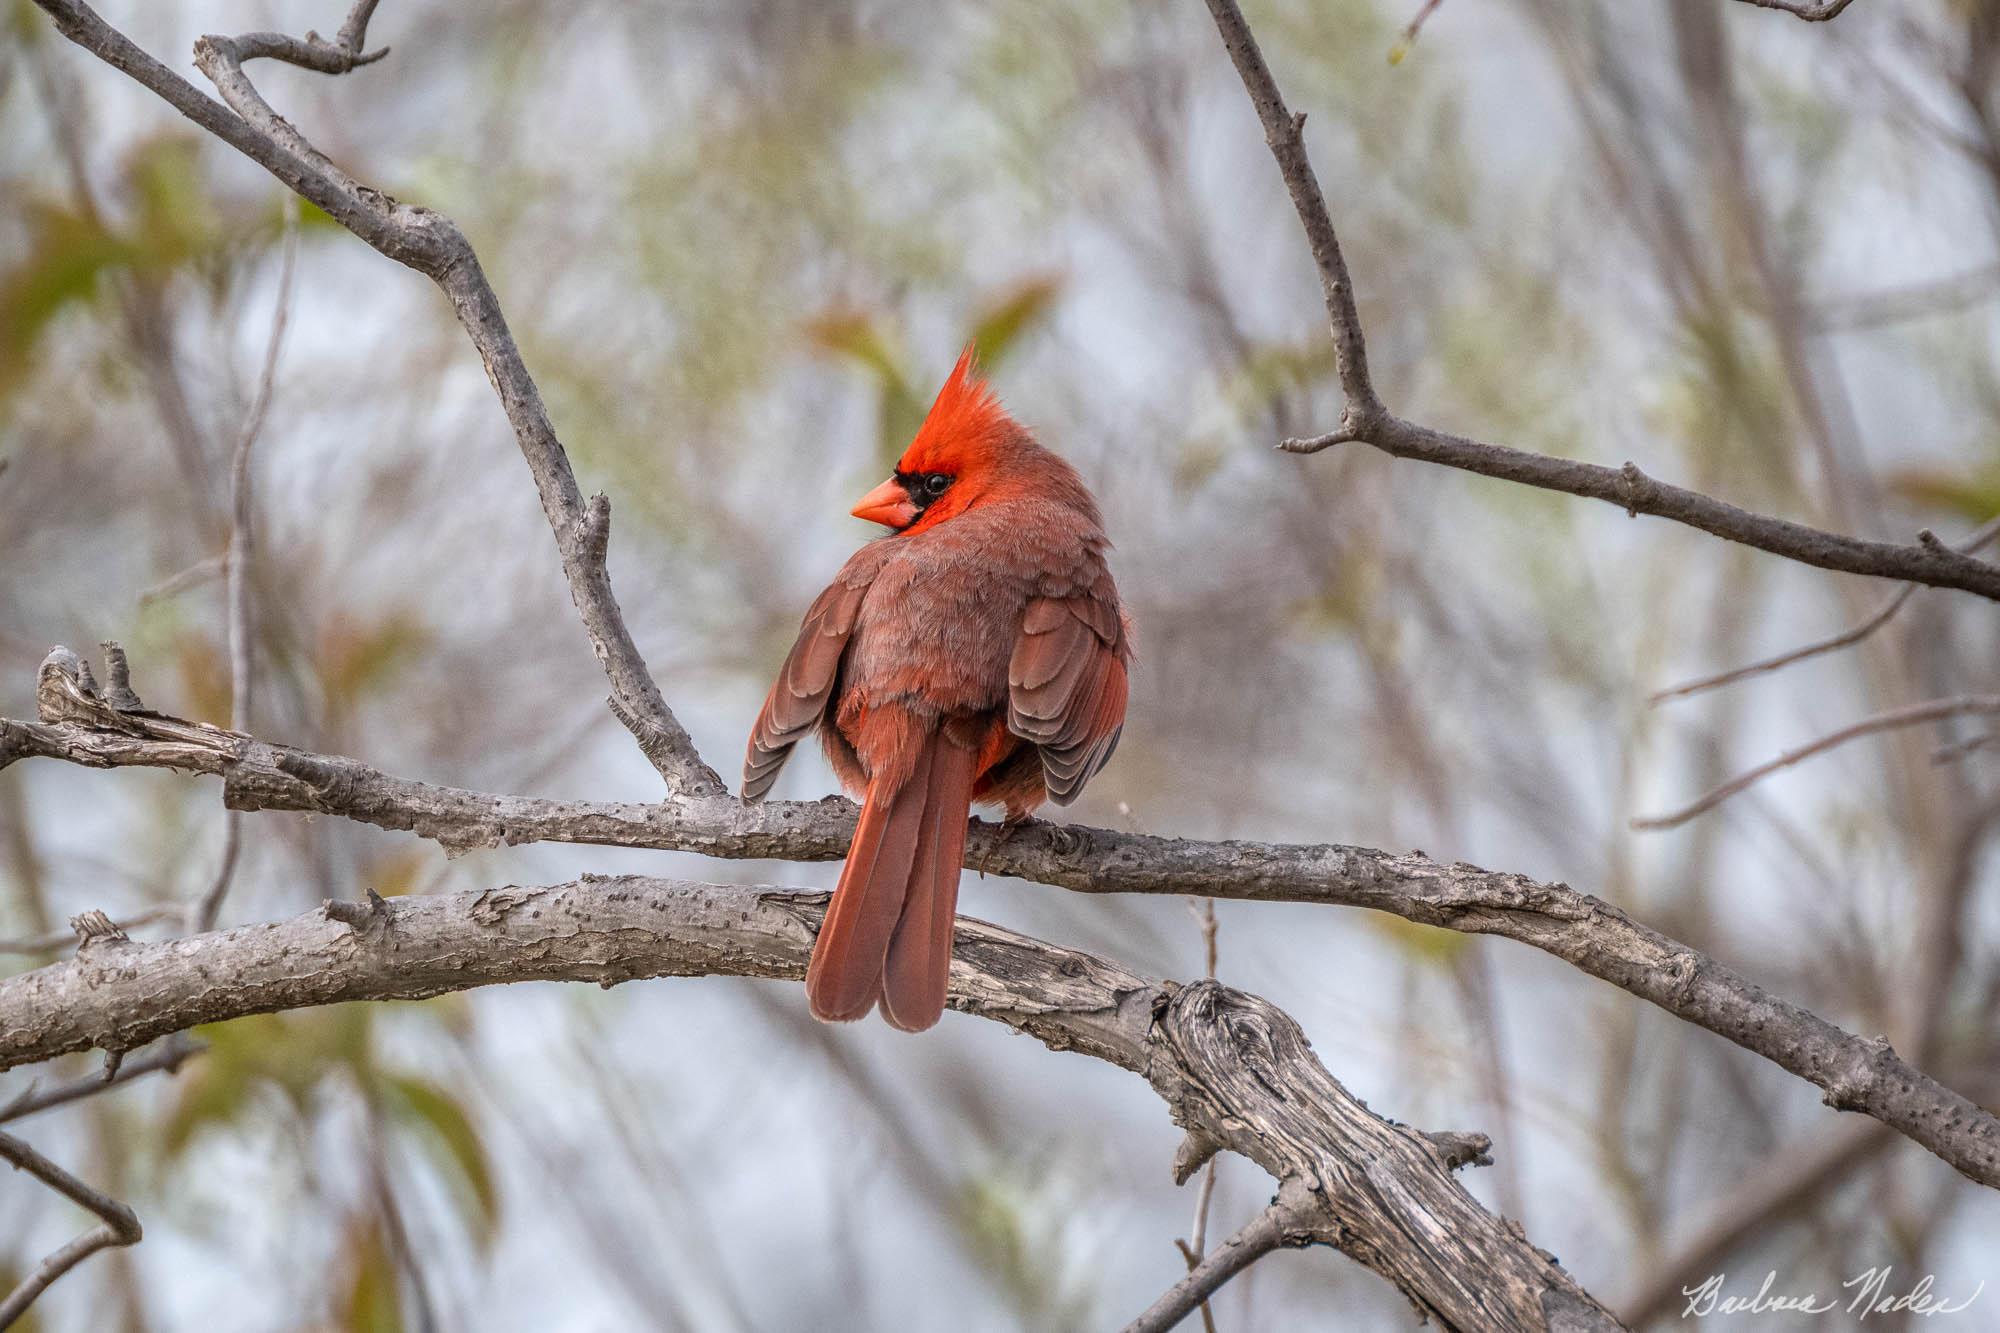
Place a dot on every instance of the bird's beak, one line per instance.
(888, 504)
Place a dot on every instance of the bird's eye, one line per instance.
(935, 483)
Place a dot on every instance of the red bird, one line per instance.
(976, 653)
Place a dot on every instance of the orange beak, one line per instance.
(888, 504)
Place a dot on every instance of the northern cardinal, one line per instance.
(976, 653)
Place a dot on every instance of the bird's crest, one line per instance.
(966, 419)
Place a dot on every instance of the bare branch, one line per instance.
(1262, 1234)
(1585, 931)
(54, 940)
(1284, 131)
(236, 568)
(1365, 420)
(121, 1226)
(1229, 1063)
(433, 245)
(1636, 493)
(168, 1055)
(1882, 616)
(1909, 715)
(1812, 11)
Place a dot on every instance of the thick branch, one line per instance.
(1228, 1064)
(1856, 1074)
(433, 245)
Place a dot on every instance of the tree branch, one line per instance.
(433, 245)
(1284, 131)
(168, 1055)
(1882, 615)
(1909, 715)
(121, 1226)
(1227, 1064)
(1262, 1234)
(1592, 935)
(1812, 11)
(1367, 421)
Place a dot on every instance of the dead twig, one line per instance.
(1264, 1233)
(1853, 635)
(120, 1226)
(1910, 715)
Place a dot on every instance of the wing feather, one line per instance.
(1066, 686)
(799, 697)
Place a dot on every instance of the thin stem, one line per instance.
(1910, 715)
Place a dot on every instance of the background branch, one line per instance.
(120, 1226)
(1257, 1238)
(1365, 420)
(1232, 1068)
(430, 243)
(1910, 715)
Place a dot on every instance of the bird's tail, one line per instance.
(887, 934)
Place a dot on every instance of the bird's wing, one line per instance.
(805, 683)
(1066, 686)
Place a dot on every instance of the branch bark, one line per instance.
(1232, 1068)
(433, 245)
(1856, 1074)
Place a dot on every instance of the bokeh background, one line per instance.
(740, 244)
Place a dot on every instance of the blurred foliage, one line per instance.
(297, 1059)
(368, 1292)
(1000, 322)
(1971, 495)
(1016, 1221)
(170, 224)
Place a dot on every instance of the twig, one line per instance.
(201, 571)
(433, 245)
(1284, 131)
(51, 941)
(121, 1226)
(1812, 11)
(1882, 615)
(1910, 715)
(236, 564)
(1261, 1235)
(1580, 929)
(1939, 296)
(1231, 1064)
(168, 1055)
(1416, 26)
(1636, 493)
(1196, 1245)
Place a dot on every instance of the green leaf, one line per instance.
(285, 1054)
(66, 255)
(369, 1304)
(1001, 326)
(1420, 943)
(447, 1132)
(1973, 496)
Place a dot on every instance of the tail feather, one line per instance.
(919, 961)
(887, 935)
(844, 979)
